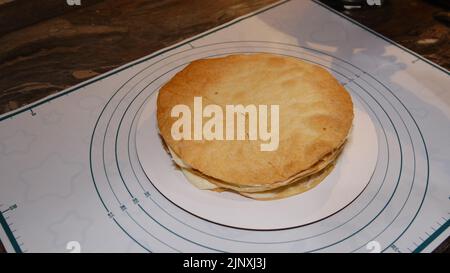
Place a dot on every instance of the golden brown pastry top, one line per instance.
(316, 114)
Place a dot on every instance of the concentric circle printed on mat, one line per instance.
(143, 212)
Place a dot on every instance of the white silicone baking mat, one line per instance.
(76, 174)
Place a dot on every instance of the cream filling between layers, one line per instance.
(196, 180)
(294, 188)
(208, 183)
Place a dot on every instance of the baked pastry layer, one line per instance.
(316, 114)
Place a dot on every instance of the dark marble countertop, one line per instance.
(48, 46)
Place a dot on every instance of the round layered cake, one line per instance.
(313, 121)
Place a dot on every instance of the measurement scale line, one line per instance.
(9, 234)
(433, 236)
